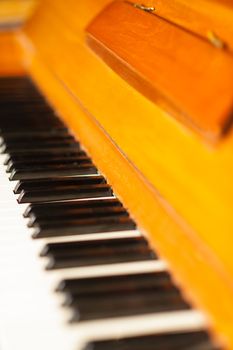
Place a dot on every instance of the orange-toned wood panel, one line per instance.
(168, 236)
(15, 11)
(200, 16)
(167, 64)
(168, 163)
(10, 55)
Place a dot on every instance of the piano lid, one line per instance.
(186, 70)
(201, 17)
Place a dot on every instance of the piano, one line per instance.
(116, 175)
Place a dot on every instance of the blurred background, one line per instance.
(14, 12)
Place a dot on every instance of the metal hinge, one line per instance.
(144, 8)
(215, 40)
(141, 6)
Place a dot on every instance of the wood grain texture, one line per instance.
(199, 16)
(185, 186)
(168, 65)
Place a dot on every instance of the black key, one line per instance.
(29, 127)
(25, 138)
(58, 131)
(35, 185)
(122, 304)
(64, 249)
(41, 147)
(113, 296)
(55, 209)
(45, 151)
(6, 97)
(6, 103)
(37, 157)
(86, 253)
(53, 171)
(38, 164)
(22, 113)
(26, 165)
(7, 147)
(77, 214)
(46, 164)
(13, 140)
(190, 340)
(24, 120)
(65, 193)
(84, 226)
(18, 102)
(160, 281)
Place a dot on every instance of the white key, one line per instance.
(31, 315)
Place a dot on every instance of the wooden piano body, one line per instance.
(172, 170)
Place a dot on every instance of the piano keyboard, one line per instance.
(76, 273)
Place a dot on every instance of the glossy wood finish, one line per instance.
(200, 16)
(10, 55)
(178, 188)
(193, 265)
(167, 64)
(14, 12)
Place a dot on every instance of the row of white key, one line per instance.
(31, 316)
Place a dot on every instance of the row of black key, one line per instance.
(24, 110)
(26, 169)
(54, 176)
(123, 295)
(51, 167)
(62, 189)
(196, 340)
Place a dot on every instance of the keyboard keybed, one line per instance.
(103, 284)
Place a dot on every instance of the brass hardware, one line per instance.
(215, 40)
(143, 7)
